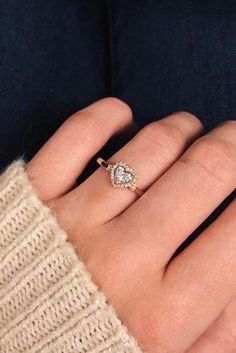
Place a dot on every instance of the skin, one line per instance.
(186, 305)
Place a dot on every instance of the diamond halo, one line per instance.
(121, 175)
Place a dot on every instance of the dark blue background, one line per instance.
(57, 56)
(170, 55)
(53, 61)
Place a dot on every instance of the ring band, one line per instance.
(122, 176)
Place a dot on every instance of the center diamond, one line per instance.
(122, 175)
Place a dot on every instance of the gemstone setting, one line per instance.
(122, 176)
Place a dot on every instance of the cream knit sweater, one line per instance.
(48, 303)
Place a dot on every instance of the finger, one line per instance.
(202, 278)
(150, 153)
(55, 168)
(221, 336)
(186, 194)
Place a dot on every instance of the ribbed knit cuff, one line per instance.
(48, 302)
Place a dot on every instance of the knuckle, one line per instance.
(90, 122)
(73, 121)
(231, 124)
(120, 106)
(113, 108)
(220, 148)
(167, 136)
(83, 127)
(227, 132)
(216, 157)
(187, 117)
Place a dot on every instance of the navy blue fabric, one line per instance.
(53, 61)
(171, 55)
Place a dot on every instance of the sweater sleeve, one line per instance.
(48, 302)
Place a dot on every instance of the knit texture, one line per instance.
(48, 302)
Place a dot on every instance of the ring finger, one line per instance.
(151, 152)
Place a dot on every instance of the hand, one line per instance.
(127, 243)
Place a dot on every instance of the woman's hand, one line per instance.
(127, 243)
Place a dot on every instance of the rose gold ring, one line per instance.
(122, 176)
